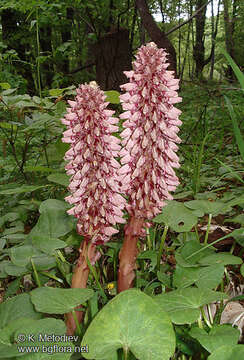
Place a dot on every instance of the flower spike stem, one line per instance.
(128, 254)
(79, 280)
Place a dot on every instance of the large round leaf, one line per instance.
(177, 216)
(183, 305)
(221, 258)
(17, 307)
(208, 207)
(204, 277)
(218, 336)
(59, 301)
(132, 321)
(227, 352)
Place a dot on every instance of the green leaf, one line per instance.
(206, 277)
(208, 207)
(220, 258)
(112, 96)
(5, 85)
(218, 336)
(59, 301)
(239, 139)
(53, 221)
(131, 320)
(183, 305)
(56, 92)
(226, 352)
(190, 252)
(17, 307)
(46, 244)
(21, 255)
(21, 189)
(238, 235)
(149, 254)
(242, 270)
(61, 179)
(177, 216)
(235, 68)
(15, 270)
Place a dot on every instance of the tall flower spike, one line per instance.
(150, 134)
(149, 153)
(94, 182)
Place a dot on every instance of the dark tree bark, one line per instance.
(112, 54)
(158, 36)
(199, 50)
(229, 33)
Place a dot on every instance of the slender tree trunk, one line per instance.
(229, 32)
(158, 36)
(214, 35)
(199, 50)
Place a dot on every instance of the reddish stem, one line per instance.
(79, 280)
(128, 254)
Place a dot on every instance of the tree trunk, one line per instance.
(112, 54)
(158, 36)
(199, 50)
(229, 32)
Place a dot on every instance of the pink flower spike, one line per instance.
(149, 134)
(95, 177)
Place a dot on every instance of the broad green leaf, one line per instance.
(112, 96)
(183, 305)
(220, 258)
(61, 179)
(238, 235)
(8, 126)
(218, 336)
(227, 352)
(59, 301)
(208, 207)
(46, 244)
(239, 219)
(204, 277)
(22, 189)
(15, 270)
(21, 255)
(53, 221)
(17, 307)
(56, 92)
(177, 216)
(131, 320)
(190, 252)
(5, 85)
(42, 262)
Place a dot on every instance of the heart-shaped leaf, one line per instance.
(59, 301)
(208, 207)
(226, 352)
(131, 321)
(177, 216)
(183, 305)
(218, 336)
(220, 258)
(17, 307)
(204, 277)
